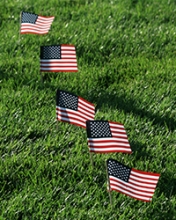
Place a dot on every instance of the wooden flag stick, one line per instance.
(91, 158)
(57, 125)
(108, 182)
(41, 78)
(20, 27)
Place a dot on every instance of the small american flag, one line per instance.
(58, 58)
(35, 24)
(73, 109)
(137, 184)
(107, 137)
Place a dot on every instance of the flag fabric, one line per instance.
(73, 109)
(35, 24)
(137, 184)
(58, 58)
(107, 137)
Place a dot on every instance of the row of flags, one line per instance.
(107, 137)
(54, 58)
(102, 136)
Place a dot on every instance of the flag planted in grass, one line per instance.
(107, 137)
(58, 58)
(137, 184)
(35, 24)
(73, 109)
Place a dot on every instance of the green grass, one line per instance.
(126, 58)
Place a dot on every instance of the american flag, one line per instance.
(107, 137)
(35, 24)
(137, 184)
(73, 109)
(58, 58)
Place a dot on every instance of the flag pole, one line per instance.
(57, 124)
(91, 158)
(41, 74)
(20, 27)
(108, 182)
(41, 77)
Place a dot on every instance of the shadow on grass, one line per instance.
(3, 75)
(33, 135)
(128, 105)
(119, 102)
(139, 149)
(19, 138)
(167, 184)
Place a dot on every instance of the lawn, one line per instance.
(126, 67)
